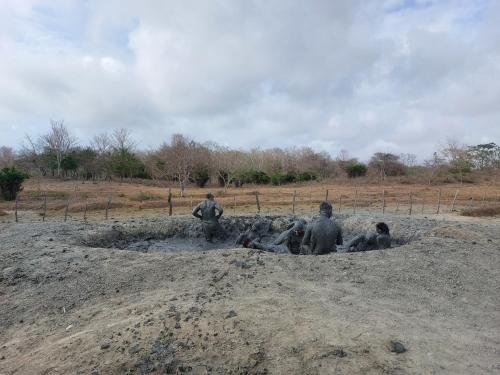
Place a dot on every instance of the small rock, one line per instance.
(339, 353)
(177, 325)
(105, 345)
(231, 314)
(396, 347)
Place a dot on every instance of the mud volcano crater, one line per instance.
(186, 233)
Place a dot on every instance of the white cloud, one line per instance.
(364, 76)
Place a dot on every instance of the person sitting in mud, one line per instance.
(287, 242)
(255, 233)
(375, 241)
(209, 217)
(322, 235)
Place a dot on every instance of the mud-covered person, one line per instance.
(209, 211)
(323, 234)
(375, 241)
(255, 233)
(288, 241)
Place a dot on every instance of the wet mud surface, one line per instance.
(188, 236)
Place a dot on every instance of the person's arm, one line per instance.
(219, 208)
(340, 240)
(282, 237)
(306, 241)
(196, 211)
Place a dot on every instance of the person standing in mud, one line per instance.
(323, 235)
(210, 214)
(376, 241)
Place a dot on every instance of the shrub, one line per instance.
(254, 177)
(493, 210)
(278, 178)
(201, 176)
(356, 170)
(306, 176)
(11, 180)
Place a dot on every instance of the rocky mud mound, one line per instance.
(73, 300)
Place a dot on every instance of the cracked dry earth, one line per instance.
(67, 308)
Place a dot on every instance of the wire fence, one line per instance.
(51, 205)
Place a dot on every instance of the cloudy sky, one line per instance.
(365, 76)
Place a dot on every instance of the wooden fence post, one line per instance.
(423, 205)
(85, 211)
(15, 207)
(439, 202)
(397, 205)
(108, 206)
(471, 201)
(257, 201)
(234, 204)
(311, 200)
(454, 200)
(411, 202)
(340, 203)
(326, 197)
(169, 199)
(355, 201)
(44, 207)
(484, 197)
(383, 201)
(293, 202)
(66, 210)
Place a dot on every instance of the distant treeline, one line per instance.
(115, 155)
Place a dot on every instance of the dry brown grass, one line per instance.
(482, 211)
(3, 213)
(131, 197)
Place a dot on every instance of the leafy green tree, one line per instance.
(125, 164)
(354, 170)
(484, 155)
(69, 163)
(11, 180)
(201, 175)
(278, 178)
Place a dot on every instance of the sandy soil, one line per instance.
(67, 308)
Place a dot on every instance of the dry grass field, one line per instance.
(124, 198)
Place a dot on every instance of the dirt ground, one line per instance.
(70, 308)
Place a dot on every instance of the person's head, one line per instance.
(382, 228)
(210, 196)
(325, 208)
(299, 227)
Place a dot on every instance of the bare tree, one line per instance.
(458, 158)
(434, 166)
(174, 160)
(227, 163)
(386, 164)
(58, 141)
(7, 157)
(102, 145)
(121, 139)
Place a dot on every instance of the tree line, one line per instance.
(182, 160)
